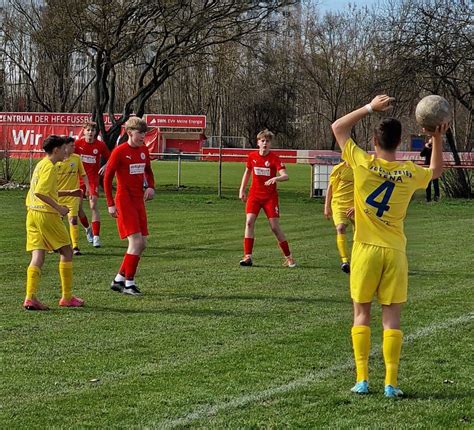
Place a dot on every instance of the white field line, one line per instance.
(310, 378)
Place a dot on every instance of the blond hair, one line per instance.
(89, 124)
(136, 123)
(267, 134)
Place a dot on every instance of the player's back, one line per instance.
(382, 193)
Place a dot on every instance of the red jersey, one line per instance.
(132, 166)
(263, 168)
(90, 155)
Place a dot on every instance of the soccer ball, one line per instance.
(432, 111)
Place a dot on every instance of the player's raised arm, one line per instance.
(343, 126)
(436, 163)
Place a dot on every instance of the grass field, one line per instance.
(214, 345)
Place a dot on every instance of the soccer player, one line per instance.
(130, 163)
(44, 227)
(69, 172)
(91, 150)
(339, 205)
(383, 188)
(266, 170)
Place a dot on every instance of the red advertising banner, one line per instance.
(41, 118)
(176, 121)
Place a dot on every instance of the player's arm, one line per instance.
(150, 180)
(343, 126)
(283, 176)
(108, 179)
(327, 202)
(70, 193)
(243, 184)
(63, 210)
(105, 153)
(436, 163)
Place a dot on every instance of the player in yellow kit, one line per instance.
(45, 230)
(383, 188)
(339, 205)
(69, 172)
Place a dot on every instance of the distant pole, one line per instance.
(219, 140)
(179, 169)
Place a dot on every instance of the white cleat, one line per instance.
(96, 242)
(90, 236)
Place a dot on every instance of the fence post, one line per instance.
(179, 170)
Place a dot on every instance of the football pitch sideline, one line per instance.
(214, 345)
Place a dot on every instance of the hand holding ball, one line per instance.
(432, 111)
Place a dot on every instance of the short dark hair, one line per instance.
(70, 139)
(388, 133)
(53, 141)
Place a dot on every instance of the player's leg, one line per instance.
(282, 242)
(341, 241)
(360, 334)
(65, 274)
(392, 295)
(33, 275)
(252, 208)
(428, 192)
(93, 204)
(367, 265)
(136, 246)
(436, 189)
(74, 233)
(83, 217)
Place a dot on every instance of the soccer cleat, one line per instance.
(361, 387)
(76, 251)
(96, 242)
(392, 392)
(289, 262)
(345, 267)
(132, 290)
(73, 302)
(34, 305)
(90, 236)
(246, 261)
(117, 286)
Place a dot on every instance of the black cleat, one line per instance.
(345, 267)
(117, 286)
(131, 290)
(246, 261)
(76, 251)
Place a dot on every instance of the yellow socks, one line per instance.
(392, 346)
(65, 273)
(361, 345)
(341, 247)
(33, 275)
(74, 233)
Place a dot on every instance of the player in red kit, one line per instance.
(266, 170)
(130, 163)
(91, 150)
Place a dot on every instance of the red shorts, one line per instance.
(268, 204)
(93, 188)
(131, 216)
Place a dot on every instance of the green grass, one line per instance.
(213, 345)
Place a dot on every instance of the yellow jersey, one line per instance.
(44, 181)
(69, 172)
(382, 192)
(342, 184)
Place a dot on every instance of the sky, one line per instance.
(336, 5)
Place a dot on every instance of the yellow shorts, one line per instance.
(72, 203)
(339, 215)
(45, 230)
(375, 269)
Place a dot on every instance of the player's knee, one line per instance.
(73, 220)
(341, 229)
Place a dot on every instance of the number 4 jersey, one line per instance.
(382, 192)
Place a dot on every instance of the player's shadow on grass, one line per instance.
(204, 313)
(255, 297)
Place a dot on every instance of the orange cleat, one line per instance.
(34, 305)
(73, 302)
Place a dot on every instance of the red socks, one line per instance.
(248, 245)
(285, 248)
(129, 266)
(96, 228)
